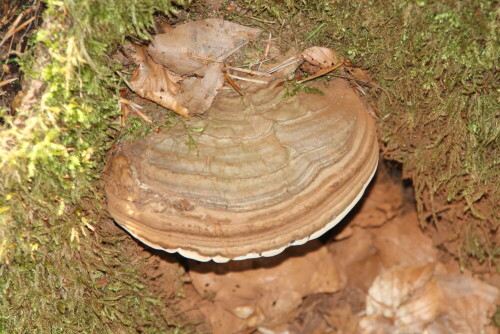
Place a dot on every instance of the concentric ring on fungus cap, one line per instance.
(267, 173)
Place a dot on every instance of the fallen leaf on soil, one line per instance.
(406, 294)
(320, 56)
(428, 299)
(467, 304)
(379, 236)
(329, 313)
(404, 243)
(359, 74)
(383, 204)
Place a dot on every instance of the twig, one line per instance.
(261, 20)
(260, 63)
(286, 63)
(130, 103)
(268, 46)
(232, 83)
(247, 79)
(125, 80)
(6, 82)
(135, 107)
(192, 55)
(244, 70)
(8, 14)
(322, 72)
(364, 83)
(13, 30)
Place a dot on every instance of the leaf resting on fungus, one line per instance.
(186, 50)
(198, 94)
(182, 48)
(155, 82)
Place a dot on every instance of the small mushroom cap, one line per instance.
(267, 172)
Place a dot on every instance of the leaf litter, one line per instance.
(182, 68)
(185, 66)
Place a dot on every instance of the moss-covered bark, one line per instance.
(56, 273)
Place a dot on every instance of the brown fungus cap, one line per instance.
(268, 172)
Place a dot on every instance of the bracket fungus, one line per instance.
(268, 173)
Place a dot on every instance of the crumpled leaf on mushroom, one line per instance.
(155, 82)
(182, 68)
(183, 49)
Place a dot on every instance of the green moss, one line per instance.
(439, 60)
(293, 88)
(51, 153)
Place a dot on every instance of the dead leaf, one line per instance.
(194, 50)
(197, 94)
(359, 74)
(402, 242)
(427, 299)
(178, 47)
(467, 304)
(155, 82)
(407, 295)
(320, 56)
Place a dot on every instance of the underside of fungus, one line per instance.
(268, 172)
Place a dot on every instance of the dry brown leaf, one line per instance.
(155, 82)
(428, 300)
(195, 48)
(383, 203)
(178, 48)
(320, 56)
(360, 74)
(397, 287)
(402, 242)
(357, 259)
(467, 304)
(197, 94)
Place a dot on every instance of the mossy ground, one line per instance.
(61, 272)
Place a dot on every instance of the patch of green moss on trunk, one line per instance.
(56, 273)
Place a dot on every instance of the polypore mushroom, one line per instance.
(268, 173)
